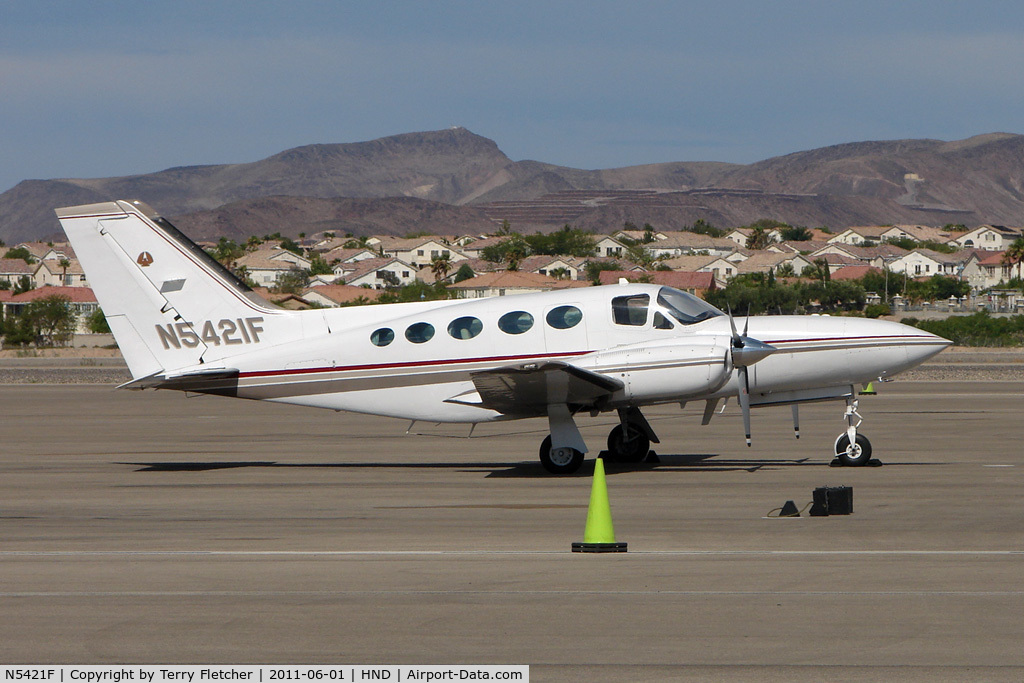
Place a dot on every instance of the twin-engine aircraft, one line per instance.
(185, 322)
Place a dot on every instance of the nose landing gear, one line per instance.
(852, 449)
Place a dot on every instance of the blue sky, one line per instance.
(95, 89)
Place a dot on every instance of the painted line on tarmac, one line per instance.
(484, 553)
(516, 593)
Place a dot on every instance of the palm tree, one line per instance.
(440, 266)
(1014, 255)
(64, 265)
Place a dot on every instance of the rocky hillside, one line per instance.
(973, 181)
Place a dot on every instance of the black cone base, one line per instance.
(599, 547)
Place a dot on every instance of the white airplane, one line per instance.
(185, 322)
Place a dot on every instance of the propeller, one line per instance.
(745, 352)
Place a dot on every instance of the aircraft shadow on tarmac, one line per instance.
(697, 462)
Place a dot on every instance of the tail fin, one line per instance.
(169, 304)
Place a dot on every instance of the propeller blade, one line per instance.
(744, 401)
(746, 323)
(737, 341)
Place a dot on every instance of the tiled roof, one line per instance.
(77, 295)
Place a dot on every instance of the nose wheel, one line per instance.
(853, 455)
(564, 460)
(852, 449)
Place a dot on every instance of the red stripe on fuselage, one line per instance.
(410, 364)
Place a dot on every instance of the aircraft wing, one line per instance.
(529, 389)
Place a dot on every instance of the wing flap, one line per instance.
(530, 389)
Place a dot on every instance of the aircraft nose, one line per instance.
(922, 345)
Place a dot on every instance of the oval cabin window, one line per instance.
(418, 333)
(382, 337)
(465, 328)
(564, 317)
(515, 322)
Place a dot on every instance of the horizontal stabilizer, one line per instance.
(529, 389)
(221, 381)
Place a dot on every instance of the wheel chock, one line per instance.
(652, 458)
(599, 534)
(789, 510)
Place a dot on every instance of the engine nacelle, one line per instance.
(668, 370)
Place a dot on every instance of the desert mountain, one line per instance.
(464, 179)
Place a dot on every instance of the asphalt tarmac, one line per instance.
(154, 528)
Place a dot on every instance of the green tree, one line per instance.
(797, 233)
(227, 251)
(319, 266)
(759, 238)
(292, 282)
(52, 319)
(702, 227)
(20, 252)
(97, 322)
(23, 285)
(567, 241)
(785, 270)
(593, 269)
(465, 272)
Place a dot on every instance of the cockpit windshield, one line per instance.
(686, 308)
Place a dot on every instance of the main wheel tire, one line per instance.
(856, 456)
(562, 460)
(628, 445)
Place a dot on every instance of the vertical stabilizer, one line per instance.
(169, 304)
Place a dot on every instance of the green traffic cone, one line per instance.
(869, 390)
(599, 534)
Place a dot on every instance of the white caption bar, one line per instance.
(265, 673)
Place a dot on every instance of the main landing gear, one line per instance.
(852, 449)
(629, 441)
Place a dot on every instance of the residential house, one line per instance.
(766, 261)
(697, 284)
(510, 282)
(81, 299)
(638, 235)
(343, 255)
(741, 235)
(991, 270)
(420, 251)
(374, 273)
(918, 233)
(990, 237)
(266, 266)
(854, 272)
(13, 269)
(332, 296)
(609, 246)
(858, 235)
(876, 256)
(925, 263)
(50, 272)
(682, 243)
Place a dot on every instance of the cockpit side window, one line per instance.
(630, 310)
(686, 308)
(661, 322)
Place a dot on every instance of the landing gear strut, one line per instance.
(853, 449)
